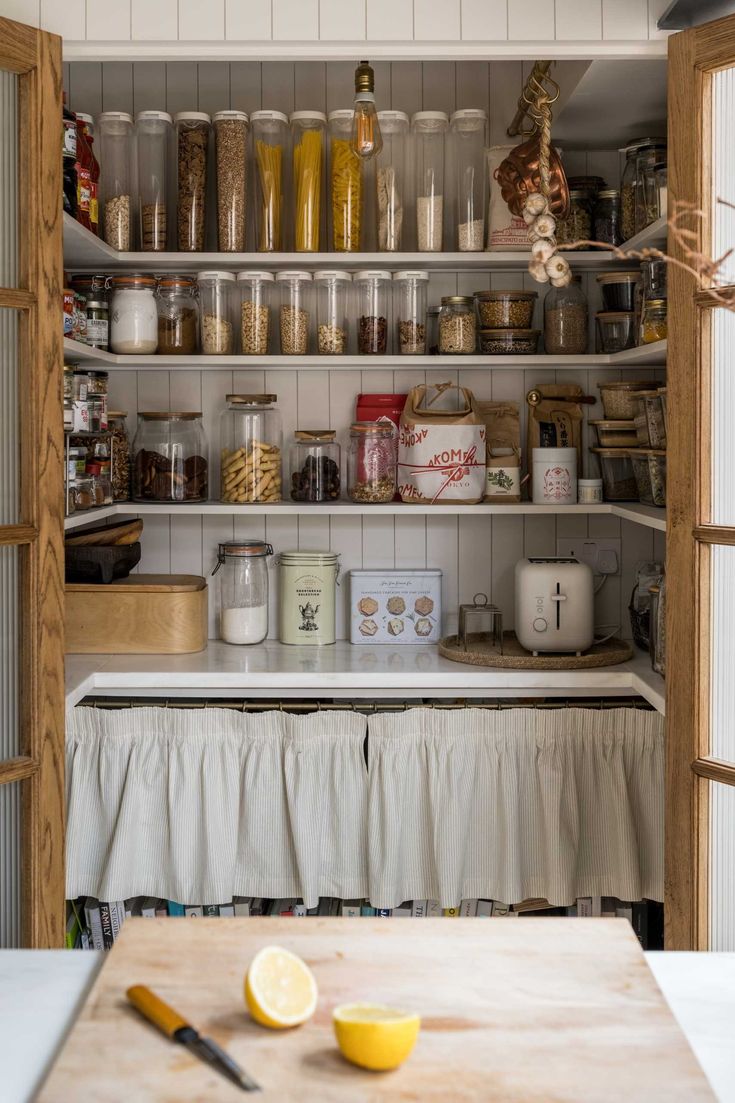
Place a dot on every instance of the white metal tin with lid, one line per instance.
(555, 476)
(307, 597)
(395, 606)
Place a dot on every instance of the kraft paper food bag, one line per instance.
(441, 446)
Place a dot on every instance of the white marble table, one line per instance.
(42, 991)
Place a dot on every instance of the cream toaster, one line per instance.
(554, 605)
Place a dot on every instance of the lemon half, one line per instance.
(280, 989)
(374, 1036)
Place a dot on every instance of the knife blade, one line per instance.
(175, 1027)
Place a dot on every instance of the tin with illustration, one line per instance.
(307, 598)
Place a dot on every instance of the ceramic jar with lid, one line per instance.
(457, 325)
(170, 463)
(251, 440)
(177, 316)
(315, 466)
(133, 315)
(307, 591)
(242, 596)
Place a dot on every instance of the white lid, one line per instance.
(192, 117)
(316, 557)
(371, 274)
(115, 116)
(429, 117)
(255, 275)
(553, 455)
(331, 274)
(293, 275)
(215, 276)
(411, 275)
(219, 116)
(392, 116)
(156, 116)
(469, 113)
(341, 113)
(268, 116)
(84, 117)
(308, 116)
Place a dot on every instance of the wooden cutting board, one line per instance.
(532, 1010)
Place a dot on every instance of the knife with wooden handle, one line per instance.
(170, 1023)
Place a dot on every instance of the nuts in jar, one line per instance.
(505, 309)
(457, 327)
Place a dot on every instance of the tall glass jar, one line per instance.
(345, 183)
(371, 462)
(577, 226)
(256, 296)
(429, 129)
(231, 143)
(251, 439)
(566, 320)
(192, 141)
(116, 167)
(295, 312)
(467, 154)
(331, 311)
(242, 598)
(170, 462)
(409, 303)
(607, 226)
(153, 131)
(372, 288)
(628, 186)
(315, 463)
(270, 145)
(133, 315)
(308, 135)
(120, 457)
(661, 182)
(177, 316)
(646, 195)
(391, 180)
(216, 293)
(457, 325)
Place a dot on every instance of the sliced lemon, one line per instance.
(280, 989)
(374, 1036)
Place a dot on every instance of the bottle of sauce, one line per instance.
(84, 175)
(69, 155)
(94, 171)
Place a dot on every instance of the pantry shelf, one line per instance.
(74, 352)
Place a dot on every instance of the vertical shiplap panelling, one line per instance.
(436, 20)
(638, 546)
(10, 921)
(84, 91)
(213, 94)
(484, 20)
(154, 20)
(340, 21)
(578, 20)
(722, 873)
(251, 22)
(625, 19)
(531, 20)
(117, 86)
(108, 22)
(295, 20)
(64, 17)
(198, 22)
(24, 11)
(245, 85)
(389, 20)
(149, 85)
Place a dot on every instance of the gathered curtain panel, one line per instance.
(202, 805)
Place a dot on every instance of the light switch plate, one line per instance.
(597, 553)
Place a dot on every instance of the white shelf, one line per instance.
(272, 669)
(643, 356)
(653, 237)
(648, 516)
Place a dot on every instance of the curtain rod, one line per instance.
(369, 707)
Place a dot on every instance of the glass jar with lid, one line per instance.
(467, 154)
(117, 161)
(133, 315)
(391, 180)
(256, 295)
(457, 325)
(171, 458)
(192, 141)
(628, 184)
(607, 226)
(315, 463)
(231, 142)
(372, 462)
(98, 323)
(428, 131)
(331, 288)
(410, 310)
(566, 320)
(216, 293)
(577, 226)
(372, 288)
(654, 325)
(270, 145)
(661, 179)
(120, 455)
(646, 193)
(242, 597)
(177, 316)
(346, 184)
(308, 136)
(295, 312)
(153, 130)
(250, 441)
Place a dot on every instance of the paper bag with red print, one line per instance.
(441, 446)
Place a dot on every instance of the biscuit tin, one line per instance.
(398, 607)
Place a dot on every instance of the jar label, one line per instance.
(83, 188)
(503, 482)
(97, 331)
(557, 483)
(69, 148)
(307, 607)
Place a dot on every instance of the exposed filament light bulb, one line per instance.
(366, 138)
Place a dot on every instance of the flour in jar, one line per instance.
(248, 624)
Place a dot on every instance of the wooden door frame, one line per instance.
(35, 56)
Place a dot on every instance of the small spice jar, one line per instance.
(372, 289)
(231, 141)
(170, 458)
(251, 438)
(177, 316)
(315, 463)
(97, 400)
(84, 497)
(256, 292)
(98, 323)
(295, 312)
(589, 491)
(566, 320)
(307, 597)
(371, 462)
(120, 458)
(133, 315)
(607, 224)
(216, 292)
(457, 325)
(192, 140)
(654, 325)
(410, 311)
(331, 311)
(242, 596)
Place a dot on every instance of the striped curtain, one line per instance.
(199, 806)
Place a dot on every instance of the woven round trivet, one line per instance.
(481, 652)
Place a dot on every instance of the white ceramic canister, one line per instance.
(589, 490)
(555, 476)
(307, 592)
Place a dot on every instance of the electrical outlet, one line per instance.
(603, 556)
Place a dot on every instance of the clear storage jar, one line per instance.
(566, 320)
(171, 458)
(372, 288)
(628, 188)
(192, 142)
(372, 462)
(256, 296)
(231, 143)
(242, 593)
(606, 217)
(410, 289)
(467, 154)
(295, 312)
(270, 145)
(153, 130)
(391, 180)
(577, 226)
(177, 316)
(120, 455)
(308, 137)
(251, 440)
(428, 130)
(216, 293)
(615, 330)
(116, 137)
(646, 193)
(345, 184)
(331, 287)
(133, 315)
(315, 463)
(457, 325)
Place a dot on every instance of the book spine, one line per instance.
(193, 911)
(418, 909)
(106, 922)
(467, 908)
(173, 908)
(117, 917)
(484, 909)
(300, 911)
(383, 913)
(227, 910)
(242, 905)
(450, 913)
(367, 910)
(209, 910)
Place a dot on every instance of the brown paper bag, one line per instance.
(503, 451)
(441, 446)
(556, 424)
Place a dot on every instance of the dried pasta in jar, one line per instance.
(308, 128)
(345, 183)
(269, 129)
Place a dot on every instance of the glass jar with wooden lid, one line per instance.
(170, 464)
(250, 441)
(315, 466)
